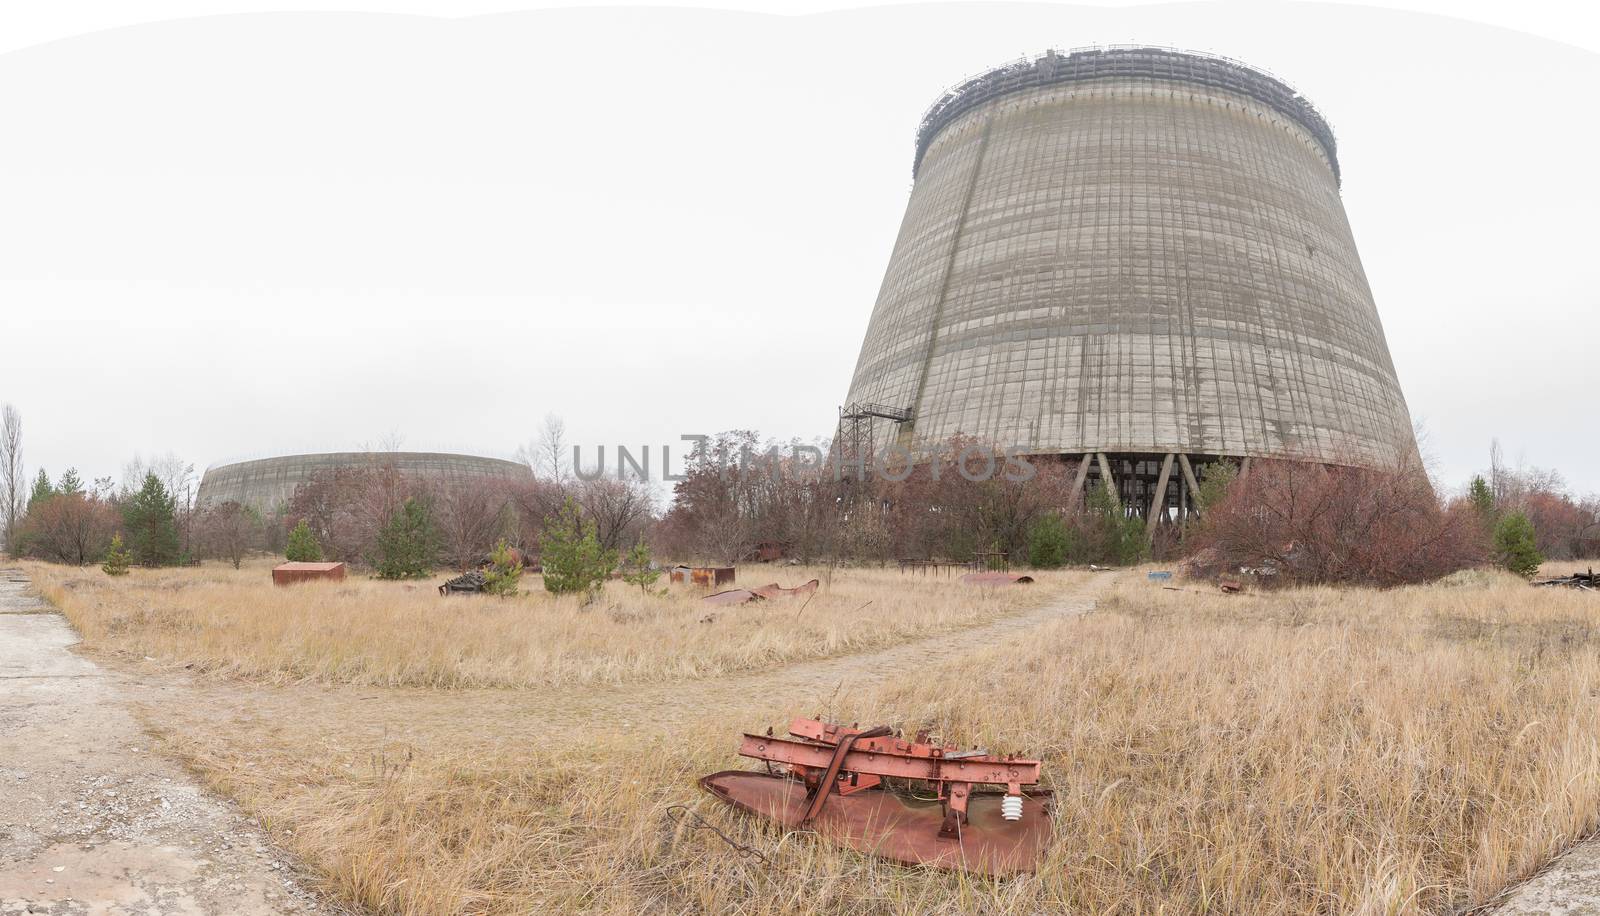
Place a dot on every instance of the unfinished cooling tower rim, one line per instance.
(1055, 68)
(369, 458)
(243, 481)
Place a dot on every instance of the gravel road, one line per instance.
(91, 820)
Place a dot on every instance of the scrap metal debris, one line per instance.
(681, 815)
(1587, 581)
(924, 566)
(465, 584)
(912, 802)
(997, 578)
(760, 593)
(777, 591)
(703, 576)
(732, 596)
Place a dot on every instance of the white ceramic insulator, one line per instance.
(1011, 807)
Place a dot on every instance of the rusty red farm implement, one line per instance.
(913, 802)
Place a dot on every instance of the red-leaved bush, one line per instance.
(1310, 523)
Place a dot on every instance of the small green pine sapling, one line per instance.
(303, 546)
(116, 563)
(504, 572)
(640, 567)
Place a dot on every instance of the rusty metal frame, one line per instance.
(880, 757)
(849, 764)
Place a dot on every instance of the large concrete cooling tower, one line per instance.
(267, 484)
(1132, 253)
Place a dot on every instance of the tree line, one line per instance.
(741, 497)
(1296, 522)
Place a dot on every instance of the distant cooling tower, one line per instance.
(267, 484)
(1129, 255)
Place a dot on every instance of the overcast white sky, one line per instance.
(284, 231)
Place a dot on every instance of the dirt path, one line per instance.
(816, 681)
(371, 716)
(93, 822)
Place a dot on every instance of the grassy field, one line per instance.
(1311, 751)
(366, 631)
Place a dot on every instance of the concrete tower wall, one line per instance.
(269, 483)
(1135, 252)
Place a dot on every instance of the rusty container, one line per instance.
(711, 576)
(292, 573)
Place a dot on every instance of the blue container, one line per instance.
(1160, 576)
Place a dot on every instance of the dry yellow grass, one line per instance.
(1552, 568)
(1337, 751)
(367, 631)
(1314, 751)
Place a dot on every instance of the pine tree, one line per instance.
(1215, 479)
(42, 490)
(303, 546)
(408, 544)
(1482, 499)
(1119, 537)
(571, 555)
(1515, 547)
(70, 484)
(641, 569)
(116, 563)
(1049, 542)
(504, 572)
(150, 517)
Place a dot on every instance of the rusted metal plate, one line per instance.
(293, 572)
(732, 596)
(906, 830)
(777, 591)
(997, 578)
(760, 593)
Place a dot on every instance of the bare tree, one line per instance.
(69, 528)
(230, 531)
(13, 480)
(176, 475)
(384, 448)
(133, 472)
(1330, 524)
(346, 507)
(546, 454)
(552, 449)
(533, 502)
(1498, 482)
(619, 508)
(717, 507)
(470, 516)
